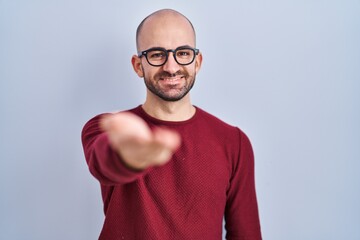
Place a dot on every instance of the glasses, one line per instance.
(158, 56)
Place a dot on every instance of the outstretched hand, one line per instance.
(138, 145)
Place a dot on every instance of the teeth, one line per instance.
(171, 79)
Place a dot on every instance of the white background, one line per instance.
(286, 72)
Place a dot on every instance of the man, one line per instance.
(169, 170)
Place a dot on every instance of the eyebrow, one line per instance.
(169, 48)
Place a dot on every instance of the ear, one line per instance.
(137, 66)
(198, 62)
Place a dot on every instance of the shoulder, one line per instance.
(96, 119)
(221, 127)
(213, 121)
(92, 126)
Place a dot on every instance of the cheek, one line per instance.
(150, 74)
(192, 70)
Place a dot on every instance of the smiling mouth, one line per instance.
(172, 80)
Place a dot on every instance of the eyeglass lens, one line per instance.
(182, 56)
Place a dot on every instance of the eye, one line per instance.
(184, 53)
(156, 55)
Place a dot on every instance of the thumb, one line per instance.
(168, 138)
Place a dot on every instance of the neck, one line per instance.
(169, 111)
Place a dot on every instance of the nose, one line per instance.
(171, 66)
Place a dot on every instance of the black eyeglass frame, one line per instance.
(145, 52)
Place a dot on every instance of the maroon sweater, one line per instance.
(211, 176)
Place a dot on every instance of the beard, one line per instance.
(171, 93)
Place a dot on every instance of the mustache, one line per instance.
(165, 74)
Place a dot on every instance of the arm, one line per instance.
(241, 213)
(120, 147)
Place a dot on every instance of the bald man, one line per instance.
(168, 169)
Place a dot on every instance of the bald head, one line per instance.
(160, 20)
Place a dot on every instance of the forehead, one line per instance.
(166, 30)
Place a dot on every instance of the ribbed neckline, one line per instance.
(146, 116)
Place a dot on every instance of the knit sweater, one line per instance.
(209, 178)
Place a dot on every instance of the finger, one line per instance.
(168, 138)
(105, 121)
(126, 125)
(163, 158)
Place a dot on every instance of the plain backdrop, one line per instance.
(286, 72)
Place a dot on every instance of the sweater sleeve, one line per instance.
(103, 162)
(241, 212)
